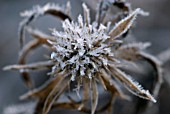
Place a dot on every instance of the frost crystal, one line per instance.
(41, 10)
(80, 47)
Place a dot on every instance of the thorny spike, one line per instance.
(86, 14)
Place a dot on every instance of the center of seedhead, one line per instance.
(80, 48)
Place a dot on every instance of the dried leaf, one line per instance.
(94, 96)
(111, 85)
(45, 89)
(22, 60)
(131, 85)
(123, 26)
(55, 94)
(27, 80)
(102, 81)
(27, 48)
(30, 66)
(41, 36)
(66, 105)
(71, 105)
(86, 90)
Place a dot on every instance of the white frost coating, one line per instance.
(145, 94)
(77, 45)
(86, 14)
(41, 10)
(53, 55)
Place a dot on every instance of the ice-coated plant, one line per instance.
(88, 53)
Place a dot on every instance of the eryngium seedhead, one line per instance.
(81, 48)
(86, 50)
(86, 53)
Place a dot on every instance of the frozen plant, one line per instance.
(89, 53)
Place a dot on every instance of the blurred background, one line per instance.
(154, 28)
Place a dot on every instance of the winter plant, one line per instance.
(92, 54)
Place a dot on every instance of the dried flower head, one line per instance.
(87, 53)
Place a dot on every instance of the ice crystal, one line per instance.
(80, 47)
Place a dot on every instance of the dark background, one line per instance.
(155, 29)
